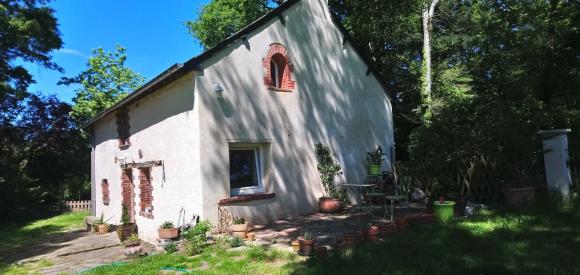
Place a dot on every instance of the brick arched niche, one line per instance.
(278, 69)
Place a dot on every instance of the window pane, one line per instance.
(243, 169)
(274, 74)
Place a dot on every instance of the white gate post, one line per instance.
(557, 161)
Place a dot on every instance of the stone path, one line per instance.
(70, 252)
(326, 228)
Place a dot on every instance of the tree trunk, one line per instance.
(427, 16)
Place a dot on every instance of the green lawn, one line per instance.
(14, 236)
(17, 235)
(539, 242)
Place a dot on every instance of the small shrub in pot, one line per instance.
(307, 243)
(240, 227)
(167, 231)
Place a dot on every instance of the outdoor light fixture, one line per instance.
(217, 88)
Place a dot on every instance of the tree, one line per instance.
(106, 81)
(220, 19)
(427, 21)
(389, 33)
(44, 158)
(28, 31)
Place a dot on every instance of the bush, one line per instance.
(170, 248)
(236, 242)
(196, 239)
(167, 225)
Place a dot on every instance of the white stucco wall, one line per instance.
(335, 102)
(164, 127)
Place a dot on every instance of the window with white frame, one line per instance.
(245, 171)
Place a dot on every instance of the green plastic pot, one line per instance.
(374, 169)
(444, 210)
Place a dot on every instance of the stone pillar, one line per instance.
(557, 161)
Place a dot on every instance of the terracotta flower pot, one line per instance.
(240, 230)
(371, 234)
(126, 230)
(519, 197)
(401, 224)
(133, 250)
(296, 246)
(169, 233)
(351, 239)
(386, 228)
(306, 246)
(321, 252)
(328, 205)
(250, 236)
(103, 228)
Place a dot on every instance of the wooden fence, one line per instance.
(77, 206)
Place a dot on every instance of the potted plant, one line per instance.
(444, 209)
(386, 228)
(296, 245)
(240, 227)
(351, 239)
(167, 231)
(371, 233)
(401, 224)
(374, 160)
(321, 252)
(328, 168)
(101, 226)
(127, 228)
(519, 192)
(132, 245)
(306, 243)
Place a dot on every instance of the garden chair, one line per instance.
(393, 191)
(377, 192)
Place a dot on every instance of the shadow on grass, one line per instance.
(538, 243)
(23, 241)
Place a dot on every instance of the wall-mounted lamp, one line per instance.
(217, 88)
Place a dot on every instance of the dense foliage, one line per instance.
(105, 81)
(221, 18)
(42, 157)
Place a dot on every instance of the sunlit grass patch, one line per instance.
(26, 268)
(252, 260)
(16, 235)
(488, 224)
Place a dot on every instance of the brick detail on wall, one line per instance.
(146, 193)
(279, 55)
(123, 128)
(127, 192)
(105, 191)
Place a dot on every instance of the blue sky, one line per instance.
(152, 31)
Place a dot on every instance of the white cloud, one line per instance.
(72, 52)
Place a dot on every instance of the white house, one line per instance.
(236, 125)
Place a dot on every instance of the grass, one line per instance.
(494, 242)
(26, 268)
(16, 235)
(253, 260)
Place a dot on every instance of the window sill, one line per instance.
(246, 198)
(272, 88)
